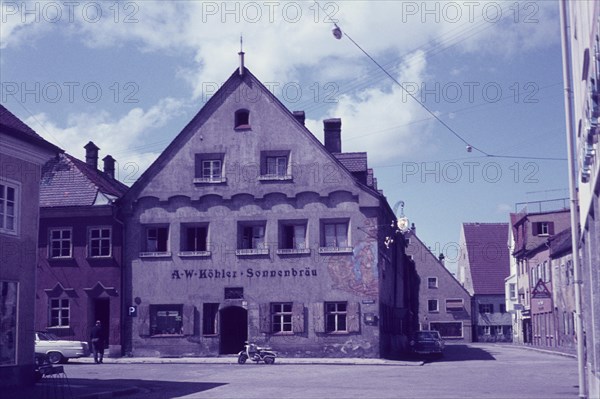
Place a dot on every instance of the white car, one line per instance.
(58, 350)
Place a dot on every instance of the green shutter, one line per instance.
(297, 317)
(265, 318)
(318, 314)
(353, 317)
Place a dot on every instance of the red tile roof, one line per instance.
(67, 181)
(488, 256)
(353, 161)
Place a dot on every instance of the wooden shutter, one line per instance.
(188, 320)
(353, 312)
(551, 228)
(318, 313)
(143, 320)
(298, 317)
(264, 318)
(535, 226)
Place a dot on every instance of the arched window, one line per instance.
(242, 119)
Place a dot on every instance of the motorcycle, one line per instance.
(256, 354)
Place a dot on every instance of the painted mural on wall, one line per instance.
(358, 274)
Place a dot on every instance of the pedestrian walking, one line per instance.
(97, 338)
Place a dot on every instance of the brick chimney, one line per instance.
(333, 135)
(91, 154)
(300, 116)
(109, 166)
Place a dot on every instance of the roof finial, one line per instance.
(241, 54)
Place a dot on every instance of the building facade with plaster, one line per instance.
(22, 154)
(80, 249)
(248, 228)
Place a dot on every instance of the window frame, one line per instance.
(61, 239)
(195, 249)
(281, 317)
(178, 332)
(336, 248)
(434, 324)
(278, 174)
(484, 306)
(298, 246)
(338, 316)
(241, 119)
(5, 184)
(146, 250)
(435, 282)
(451, 310)
(249, 243)
(60, 308)
(437, 306)
(90, 239)
(201, 176)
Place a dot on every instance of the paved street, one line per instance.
(473, 371)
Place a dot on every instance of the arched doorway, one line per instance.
(233, 329)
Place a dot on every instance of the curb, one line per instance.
(280, 361)
(110, 394)
(542, 350)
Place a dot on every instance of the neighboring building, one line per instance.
(483, 265)
(80, 249)
(584, 20)
(530, 250)
(511, 287)
(444, 304)
(563, 293)
(247, 228)
(22, 154)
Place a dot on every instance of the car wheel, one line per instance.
(55, 357)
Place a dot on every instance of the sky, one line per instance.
(415, 83)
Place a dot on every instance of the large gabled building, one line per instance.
(248, 228)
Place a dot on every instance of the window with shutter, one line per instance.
(318, 314)
(210, 313)
(353, 311)
(298, 317)
(264, 318)
(188, 319)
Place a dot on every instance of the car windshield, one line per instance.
(45, 336)
(427, 335)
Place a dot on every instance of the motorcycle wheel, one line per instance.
(242, 358)
(269, 360)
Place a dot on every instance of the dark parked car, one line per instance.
(427, 343)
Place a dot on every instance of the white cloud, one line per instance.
(281, 38)
(124, 138)
(385, 121)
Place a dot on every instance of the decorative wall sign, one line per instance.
(216, 274)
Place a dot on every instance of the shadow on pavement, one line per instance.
(461, 353)
(91, 388)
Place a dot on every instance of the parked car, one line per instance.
(59, 350)
(427, 342)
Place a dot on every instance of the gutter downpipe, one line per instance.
(575, 236)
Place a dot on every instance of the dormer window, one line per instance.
(242, 119)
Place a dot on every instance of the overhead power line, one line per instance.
(338, 34)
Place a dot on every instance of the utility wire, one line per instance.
(456, 134)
